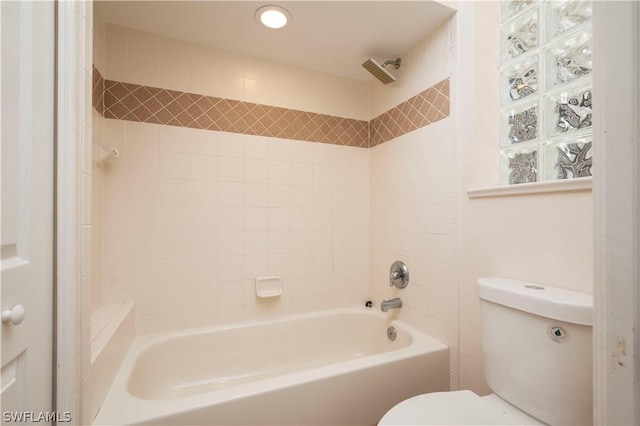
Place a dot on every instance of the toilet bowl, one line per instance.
(537, 355)
(456, 408)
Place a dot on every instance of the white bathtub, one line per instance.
(330, 367)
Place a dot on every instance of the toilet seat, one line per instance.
(456, 408)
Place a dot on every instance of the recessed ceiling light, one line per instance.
(273, 16)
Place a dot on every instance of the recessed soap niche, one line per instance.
(267, 287)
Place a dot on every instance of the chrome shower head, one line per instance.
(379, 71)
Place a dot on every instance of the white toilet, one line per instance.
(537, 355)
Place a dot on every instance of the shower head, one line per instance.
(379, 71)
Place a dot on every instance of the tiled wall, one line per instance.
(131, 102)
(87, 180)
(97, 210)
(414, 197)
(193, 216)
(425, 108)
(110, 329)
(146, 59)
(97, 96)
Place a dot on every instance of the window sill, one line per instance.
(569, 185)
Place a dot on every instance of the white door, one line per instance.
(26, 232)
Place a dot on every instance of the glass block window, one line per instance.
(545, 90)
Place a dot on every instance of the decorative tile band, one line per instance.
(153, 105)
(133, 102)
(97, 95)
(421, 110)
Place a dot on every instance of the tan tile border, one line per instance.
(133, 102)
(97, 95)
(421, 110)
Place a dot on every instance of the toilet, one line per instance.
(537, 355)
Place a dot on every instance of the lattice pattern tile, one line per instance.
(97, 96)
(133, 102)
(421, 110)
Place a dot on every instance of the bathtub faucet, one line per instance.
(394, 303)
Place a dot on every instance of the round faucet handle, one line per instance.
(398, 274)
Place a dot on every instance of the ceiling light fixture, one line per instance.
(273, 16)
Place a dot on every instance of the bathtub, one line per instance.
(328, 367)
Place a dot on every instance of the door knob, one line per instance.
(13, 316)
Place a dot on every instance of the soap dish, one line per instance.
(268, 286)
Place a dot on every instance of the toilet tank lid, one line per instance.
(543, 300)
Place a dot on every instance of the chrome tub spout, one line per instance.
(394, 303)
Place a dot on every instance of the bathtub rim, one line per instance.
(139, 409)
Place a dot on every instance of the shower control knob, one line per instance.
(13, 316)
(399, 274)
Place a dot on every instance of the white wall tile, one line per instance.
(203, 81)
(230, 218)
(230, 243)
(256, 242)
(229, 293)
(255, 266)
(279, 264)
(230, 268)
(230, 85)
(256, 194)
(302, 196)
(279, 149)
(115, 53)
(231, 145)
(230, 194)
(279, 195)
(204, 167)
(279, 172)
(204, 218)
(231, 169)
(256, 147)
(256, 171)
(302, 174)
(279, 219)
(174, 165)
(177, 75)
(174, 191)
(279, 241)
(203, 192)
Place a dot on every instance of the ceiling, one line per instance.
(330, 36)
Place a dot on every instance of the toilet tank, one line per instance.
(538, 348)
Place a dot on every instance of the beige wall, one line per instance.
(543, 238)
(192, 216)
(413, 201)
(143, 58)
(425, 64)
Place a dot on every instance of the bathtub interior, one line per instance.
(198, 362)
(328, 367)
